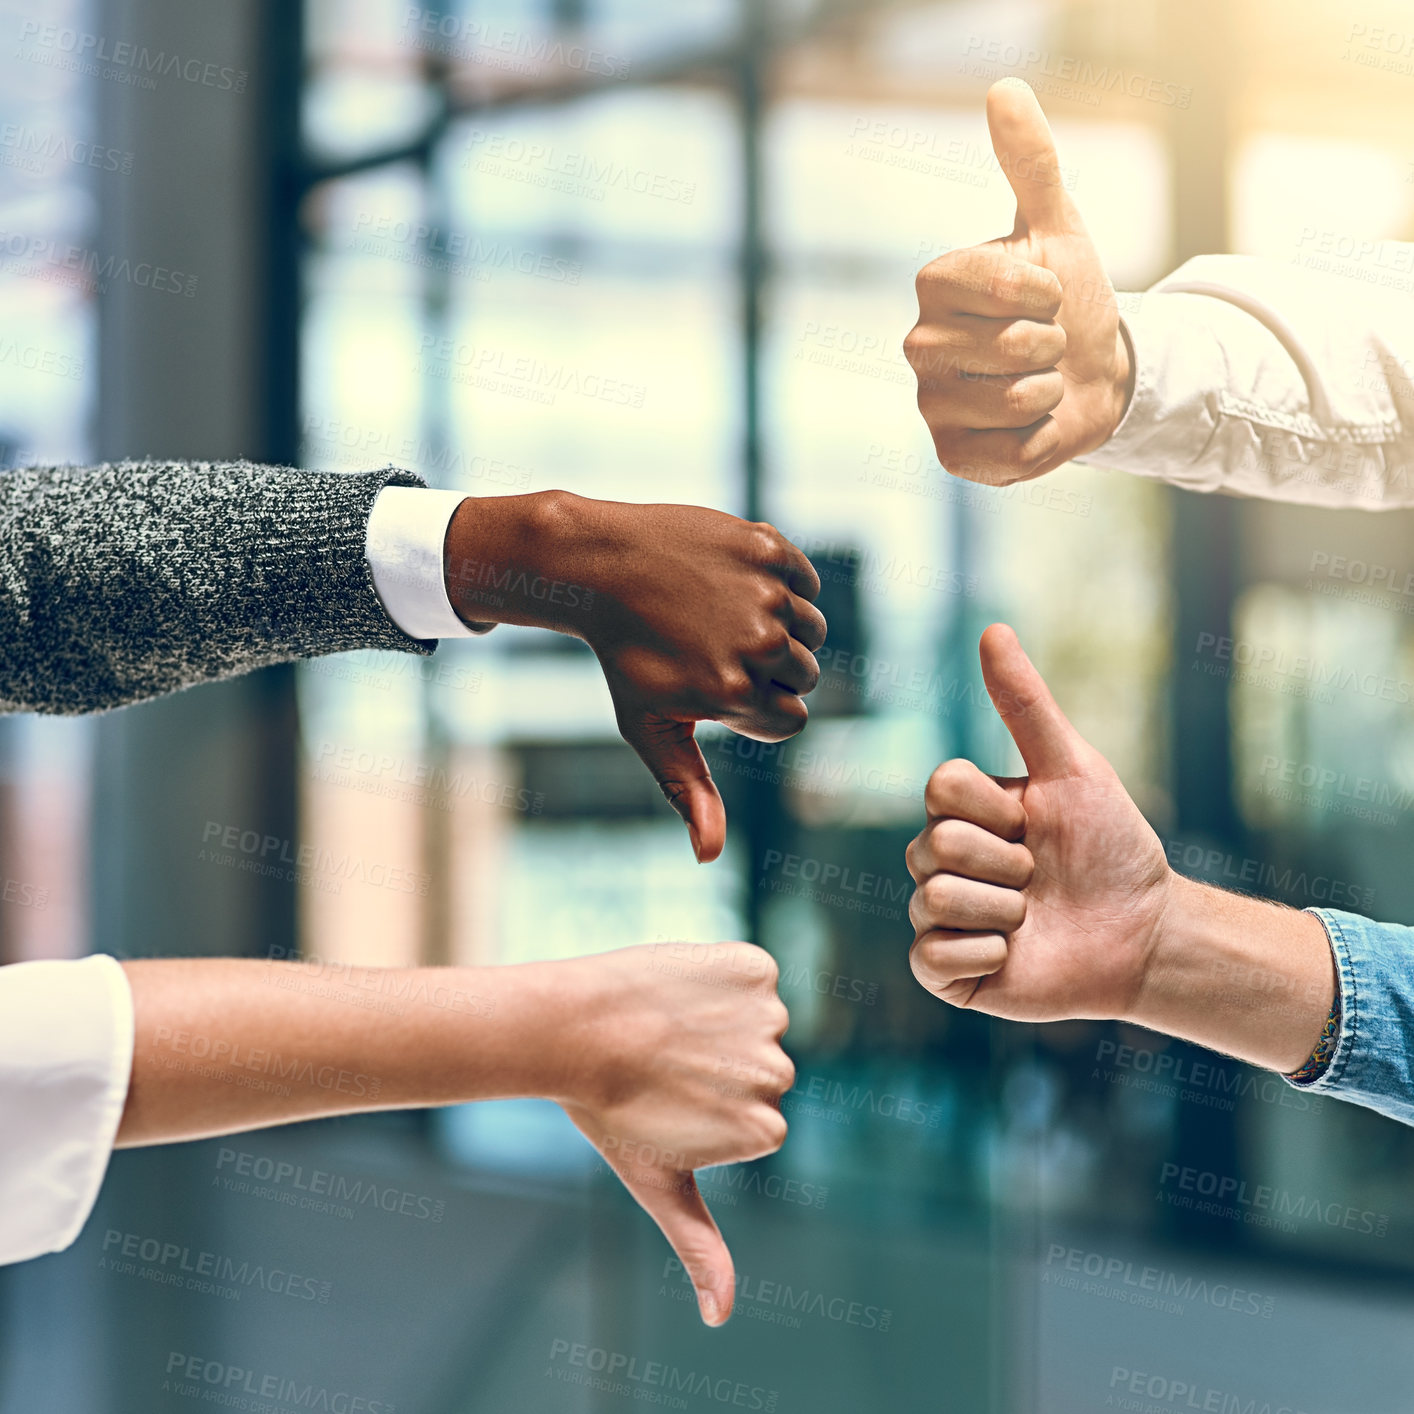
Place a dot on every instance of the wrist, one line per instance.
(520, 560)
(1171, 957)
(1237, 974)
(496, 1031)
(564, 1008)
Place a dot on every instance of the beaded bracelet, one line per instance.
(1325, 1048)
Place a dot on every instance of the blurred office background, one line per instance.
(666, 252)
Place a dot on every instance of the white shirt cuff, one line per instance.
(407, 529)
(66, 1057)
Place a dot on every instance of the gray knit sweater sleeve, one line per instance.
(125, 581)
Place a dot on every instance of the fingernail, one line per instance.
(696, 840)
(710, 1307)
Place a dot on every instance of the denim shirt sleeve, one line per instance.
(1373, 1060)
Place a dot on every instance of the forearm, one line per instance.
(1249, 978)
(228, 1044)
(123, 582)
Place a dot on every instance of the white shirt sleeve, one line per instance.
(407, 528)
(1284, 381)
(66, 1056)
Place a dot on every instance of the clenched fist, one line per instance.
(681, 1068)
(695, 616)
(1038, 897)
(1048, 896)
(1020, 359)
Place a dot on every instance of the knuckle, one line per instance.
(913, 856)
(939, 894)
(1016, 400)
(775, 597)
(791, 716)
(1012, 344)
(928, 968)
(1007, 285)
(945, 434)
(917, 911)
(764, 968)
(951, 775)
(948, 841)
(734, 683)
(769, 540)
(771, 639)
(773, 1127)
(934, 277)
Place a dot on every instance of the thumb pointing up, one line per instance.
(1049, 745)
(1026, 152)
